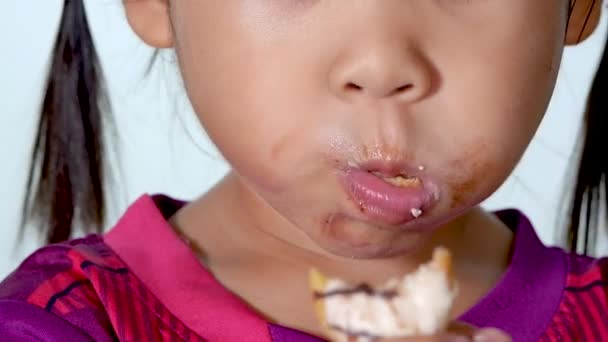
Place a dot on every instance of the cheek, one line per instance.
(502, 104)
(256, 155)
(261, 144)
(249, 121)
(252, 111)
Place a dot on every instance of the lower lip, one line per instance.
(386, 203)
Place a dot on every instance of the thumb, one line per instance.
(460, 333)
(491, 335)
(477, 334)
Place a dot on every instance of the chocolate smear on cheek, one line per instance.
(472, 175)
(462, 191)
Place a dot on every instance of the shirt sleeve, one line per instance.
(23, 322)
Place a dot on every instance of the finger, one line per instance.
(454, 330)
(491, 335)
(478, 335)
(459, 332)
(461, 328)
(441, 338)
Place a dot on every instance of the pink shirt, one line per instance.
(141, 282)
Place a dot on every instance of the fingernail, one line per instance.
(458, 339)
(491, 335)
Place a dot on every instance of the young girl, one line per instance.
(319, 106)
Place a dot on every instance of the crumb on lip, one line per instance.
(401, 181)
(416, 212)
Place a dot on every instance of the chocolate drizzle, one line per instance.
(362, 288)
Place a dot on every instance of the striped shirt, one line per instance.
(141, 282)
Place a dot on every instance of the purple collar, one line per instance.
(525, 300)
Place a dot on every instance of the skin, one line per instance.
(293, 91)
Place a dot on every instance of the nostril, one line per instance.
(352, 87)
(402, 89)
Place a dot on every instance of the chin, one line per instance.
(371, 251)
(354, 239)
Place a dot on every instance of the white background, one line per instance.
(161, 148)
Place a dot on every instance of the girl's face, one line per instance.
(315, 102)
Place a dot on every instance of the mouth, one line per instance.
(390, 193)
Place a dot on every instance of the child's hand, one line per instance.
(460, 333)
(483, 335)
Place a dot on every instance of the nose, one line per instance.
(382, 71)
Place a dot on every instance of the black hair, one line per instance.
(65, 183)
(590, 191)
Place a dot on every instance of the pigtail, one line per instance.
(591, 190)
(65, 181)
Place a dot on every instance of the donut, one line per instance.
(417, 304)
